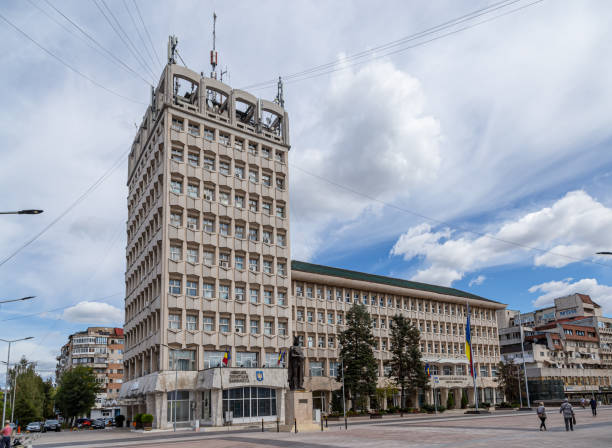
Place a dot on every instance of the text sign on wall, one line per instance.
(238, 376)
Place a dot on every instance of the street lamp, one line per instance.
(8, 362)
(16, 300)
(524, 364)
(23, 212)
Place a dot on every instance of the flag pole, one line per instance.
(469, 331)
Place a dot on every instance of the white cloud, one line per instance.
(574, 226)
(478, 280)
(601, 294)
(95, 313)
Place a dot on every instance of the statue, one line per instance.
(296, 366)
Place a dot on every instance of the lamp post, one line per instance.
(524, 364)
(343, 395)
(8, 362)
(23, 212)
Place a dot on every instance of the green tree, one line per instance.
(407, 369)
(29, 391)
(450, 401)
(360, 367)
(76, 392)
(510, 379)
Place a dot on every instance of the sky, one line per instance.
(478, 158)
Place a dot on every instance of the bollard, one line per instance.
(262, 427)
(326, 425)
(277, 424)
(321, 419)
(295, 423)
(345, 423)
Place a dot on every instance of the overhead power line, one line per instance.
(97, 46)
(446, 223)
(66, 64)
(76, 202)
(138, 32)
(390, 48)
(147, 32)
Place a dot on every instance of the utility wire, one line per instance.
(446, 223)
(322, 69)
(78, 200)
(138, 32)
(60, 60)
(122, 38)
(148, 35)
(98, 46)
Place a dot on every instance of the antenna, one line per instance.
(279, 93)
(224, 72)
(213, 53)
(172, 43)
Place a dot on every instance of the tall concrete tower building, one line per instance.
(208, 264)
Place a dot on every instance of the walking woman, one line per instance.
(542, 415)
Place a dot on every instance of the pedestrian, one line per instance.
(593, 404)
(541, 411)
(6, 435)
(568, 414)
(582, 402)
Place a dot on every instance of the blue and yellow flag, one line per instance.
(468, 344)
(281, 357)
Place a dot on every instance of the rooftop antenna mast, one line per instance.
(213, 53)
(172, 43)
(280, 100)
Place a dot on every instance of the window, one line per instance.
(209, 134)
(250, 402)
(192, 222)
(192, 322)
(177, 154)
(239, 201)
(174, 286)
(239, 325)
(208, 324)
(484, 371)
(208, 290)
(192, 255)
(209, 193)
(191, 288)
(330, 318)
(331, 343)
(267, 266)
(254, 326)
(213, 359)
(316, 368)
(238, 144)
(224, 259)
(309, 316)
(334, 368)
(266, 179)
(176, 186)
(174, 321)
(193, 158)
(194, 129)
(224, 324)
(254, 264)
(208, 224)
(310, 341)
(239, 171)
(224, 228)
(176, 253)
(209, 163)
(254, 295)
(281, 269)
(239, 293)
(176, 219)
(280, 211)
(282, 328)
(208, 258)
(177, 124)
(253, 205)
(267, 236)
(224, 167)
(224, 292)
(253, 176)
(253, 148)
(279, 156)
(265, 152)
(281, 239)
(224, 139)
(321, 341)
(280, 182)
(182, 360)
(281, 298)
(179, 405)
(447, 370)
(224, 197)
(266, 207)
(240, 231)
(239, 262)
(253, 233)
(268, 327)
(193, 191)
(268, 297)
(300, 315)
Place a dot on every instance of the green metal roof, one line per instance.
(354, 275)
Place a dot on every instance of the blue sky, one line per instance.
(499, 130)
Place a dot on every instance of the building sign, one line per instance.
(239, 376)
(135, 385)
(567, 312)
(259, 375)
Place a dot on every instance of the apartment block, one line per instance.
(570, 343)
(100, 348)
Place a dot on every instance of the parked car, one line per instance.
(53, 425)
(83, 423)
(98, 424)
(35, 427)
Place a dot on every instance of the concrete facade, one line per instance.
(100, 348)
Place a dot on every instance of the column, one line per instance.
(470, 396)
(444, 396)
(415, 399)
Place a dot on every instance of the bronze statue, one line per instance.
(296, 366)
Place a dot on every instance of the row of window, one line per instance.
(175, 287)
(225, 197)
(224, 325)
(193, 255)
(227, 227)
(186, 359)
(239, 144)
(407, 303)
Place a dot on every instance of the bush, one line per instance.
(119, 421)
(464, 400)
(484, 405)
(450, 402)
(430, 409)
(138, 418)
(504, 405)
(146, 418)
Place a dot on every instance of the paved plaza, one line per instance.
(509, 429)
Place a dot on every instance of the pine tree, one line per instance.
(407, 369)
(360, 367)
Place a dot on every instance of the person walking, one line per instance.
(6, 435)
(568, 414)
(582, 402)
(593, 404)
(541, 411)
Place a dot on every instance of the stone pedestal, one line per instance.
(298, 408)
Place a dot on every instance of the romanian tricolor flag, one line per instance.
(281, 357)
(226, 358)
(468, 344)
(427, 370)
